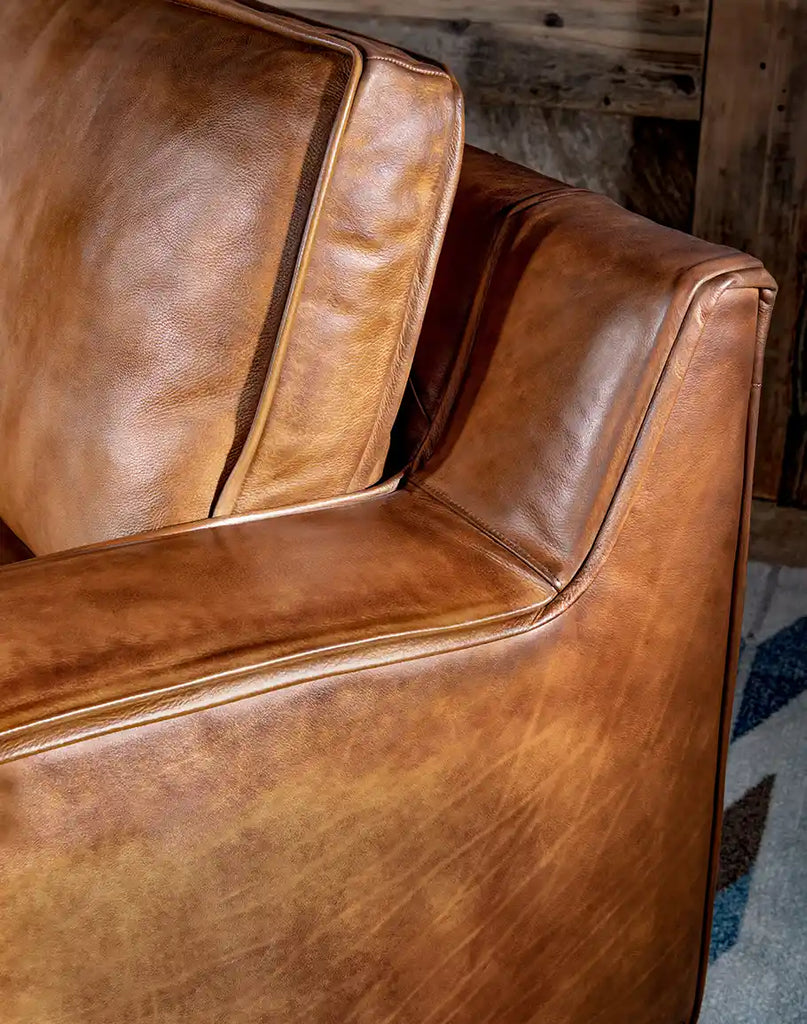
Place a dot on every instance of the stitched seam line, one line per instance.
(631, 455)
(410, 67)
(489, 531)
(311, 33)
(244, 465)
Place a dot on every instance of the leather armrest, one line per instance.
(554, 317)
(404, 759)
(114, 636)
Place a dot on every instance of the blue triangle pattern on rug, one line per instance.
(778, 675)
(758, 954)
(730, 907)
(743, 827)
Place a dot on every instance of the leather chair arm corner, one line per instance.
(559, 325)
(119, 635)
(450, 754)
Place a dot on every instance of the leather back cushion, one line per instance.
(218, 231)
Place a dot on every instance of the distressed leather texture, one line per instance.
(447, 752)
(216, 259)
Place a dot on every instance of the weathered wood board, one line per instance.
(537, 76)
(619, 57)
(645, 164)
(683, 23)
(752, 193)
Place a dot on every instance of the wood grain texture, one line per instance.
(645, 164)
(683, 23)
(752, 193)
(599, 60)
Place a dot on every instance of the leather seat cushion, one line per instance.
(218, 232)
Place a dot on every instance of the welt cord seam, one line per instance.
(519, 620)
(489, 531)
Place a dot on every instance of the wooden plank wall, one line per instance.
(538, 77)
(609, 94)
(752, 193)
(640, 57)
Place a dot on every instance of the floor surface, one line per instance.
(759, 939)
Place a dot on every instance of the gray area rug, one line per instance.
(758, 973)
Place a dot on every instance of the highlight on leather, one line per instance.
(216, 258)
(368, 762)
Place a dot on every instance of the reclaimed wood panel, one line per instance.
(589, 58)
(645, 164)
(683, 23)
(752, 193)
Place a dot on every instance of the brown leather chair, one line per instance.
(301, 721)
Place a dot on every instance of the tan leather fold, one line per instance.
(218, 230)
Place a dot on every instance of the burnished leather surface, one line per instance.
(368, 763)
(251, 583)
(187, 258)
(569, 268)
(367, 284)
